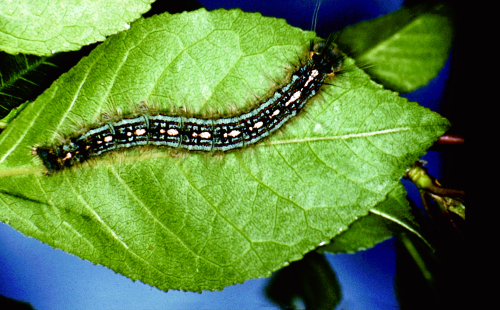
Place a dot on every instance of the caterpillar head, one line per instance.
(327, 58)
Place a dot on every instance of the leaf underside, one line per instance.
(193, 221)
(47, 27)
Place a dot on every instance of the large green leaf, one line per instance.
(46, 27)
(194, 221)
(403, 50)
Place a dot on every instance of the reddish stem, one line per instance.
(450, 139)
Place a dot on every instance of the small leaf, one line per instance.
(310, 279)
(47, 27)
(194, 221)
(11, 116)
(391, 216)
(404, 50)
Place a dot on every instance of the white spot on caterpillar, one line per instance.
(234, 133)
(172, 132)
(129, 134)
(99, 142)
(314, 74)
(68, 156)
(108, 139)
(205, 135)
(275, 113)
(294, 97)
(162, 131)
(140, 132)
(195, 135)
(258, 125)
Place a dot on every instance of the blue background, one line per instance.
(52, 279)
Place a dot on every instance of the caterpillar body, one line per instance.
(201, 134)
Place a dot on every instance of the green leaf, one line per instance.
(404, 50)
(192, 221)
(47, 27)
(391, 216)
(11, 116)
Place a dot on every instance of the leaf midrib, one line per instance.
(22, 171)
(341, 137)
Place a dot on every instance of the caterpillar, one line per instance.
(201, 134)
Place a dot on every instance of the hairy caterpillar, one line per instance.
(201, 134)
